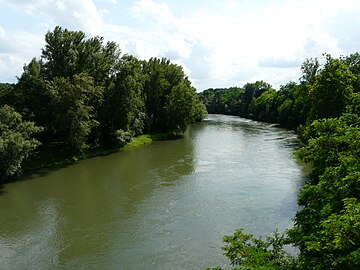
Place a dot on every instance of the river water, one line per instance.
(162, 206)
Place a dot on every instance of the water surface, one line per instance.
(162, 206)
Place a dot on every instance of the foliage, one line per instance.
(84, 93)
(122, 137)
(222, 100)
(15, 141)
(324, 107)
(180, 108)
(332, 89)
(73, 112)
(124, 101)
(247, 252)
(327, 226)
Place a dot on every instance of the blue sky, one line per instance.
(219, 43)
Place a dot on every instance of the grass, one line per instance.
(137, 142)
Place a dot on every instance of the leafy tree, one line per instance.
(265, 108)
(16, 143)
(31, 96)
(6, 93)
(73, 111)
(310, 69)
(332, 90)
(331, 199)
(200, 111)
(291, 104)
(67, 53)
(180, 108)
(124, 101)
(247, 252)
(161, 78)
(62, 52)
(353, 62)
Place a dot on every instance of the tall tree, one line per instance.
(161, 77)
(67, 53)
(180, 108)
(310, 69)
(16, 142)
(124, 102)
(73, 111)
(332, 89)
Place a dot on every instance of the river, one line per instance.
(162, 206)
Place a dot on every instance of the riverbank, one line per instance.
(59, 155)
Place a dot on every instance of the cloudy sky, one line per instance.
(220, 43)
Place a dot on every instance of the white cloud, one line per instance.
(219, 43)
(17, 49)
(77, 15)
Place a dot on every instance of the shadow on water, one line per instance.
(57, 157)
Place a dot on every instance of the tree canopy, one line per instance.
(83, 92)
(16, 142)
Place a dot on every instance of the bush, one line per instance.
(121, 137)
(16, 143)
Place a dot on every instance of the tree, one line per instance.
(265, 107)
(332, 90)
(161, 78)
(67, 53)
(180, 108)
(16, 143)
(310, 69)
(327, 226)
(62, 52)
(353, 62)
(247, 252)
(32, 98)
(252, 92)
(71, 100)
(124, 101)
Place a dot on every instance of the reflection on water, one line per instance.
(163, 206)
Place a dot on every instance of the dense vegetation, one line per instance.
(324, 107)
(82, 93)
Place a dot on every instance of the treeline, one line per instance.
(325, 107)
(293, 104)
(82, 92)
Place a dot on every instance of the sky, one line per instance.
(219, 43)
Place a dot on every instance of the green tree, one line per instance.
(31, 96)
(62, 52)
(71, 100)
(67, 53)
(124, 101)
(16, 142)
(331, 200)
(332, 89)
(180, 108)
(353, 62)
(161, 78)
(265, 107)
(247, 252)
(310, 69)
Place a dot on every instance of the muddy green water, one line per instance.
(162, 206)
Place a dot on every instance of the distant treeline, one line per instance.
(323, 92)
(82, 92)
(324, 107)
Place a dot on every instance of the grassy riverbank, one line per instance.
(58, 154)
